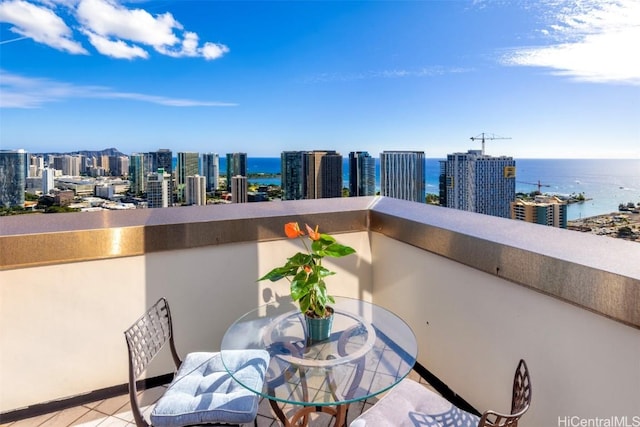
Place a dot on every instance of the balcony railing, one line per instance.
(479, 292)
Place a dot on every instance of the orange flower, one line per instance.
(313, 234)
(292, 230)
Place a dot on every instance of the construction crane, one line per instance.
(538, 184)
(482, 137)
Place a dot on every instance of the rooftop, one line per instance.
(479, 292)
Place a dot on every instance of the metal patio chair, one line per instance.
(202, 390)
(411, 404)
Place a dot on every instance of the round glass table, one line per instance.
(370, 349)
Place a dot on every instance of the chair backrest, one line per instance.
(520, 401)
(521, 398)
(145, 338)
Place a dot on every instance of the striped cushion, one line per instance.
(203, 392)
(410, 404)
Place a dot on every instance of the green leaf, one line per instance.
(326, 239)
(278, 273)
(300, 259)
(337, 250)
(321, 293)
(319, 310)
(300, 285)
(323, 272)
(305, 303)
(297, 290)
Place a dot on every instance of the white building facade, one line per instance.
(158, 189)
(478, 183)
(239, 189)
(196, 190)
(402, 175)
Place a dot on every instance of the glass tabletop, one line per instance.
(370, 349)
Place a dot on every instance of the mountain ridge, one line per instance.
(88, 153)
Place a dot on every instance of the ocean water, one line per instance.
(605, 183)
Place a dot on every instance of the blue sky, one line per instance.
(561, 79)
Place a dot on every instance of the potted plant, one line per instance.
(306, 276)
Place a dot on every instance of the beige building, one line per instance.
(196, 190)
(545, 210)
(239, 188)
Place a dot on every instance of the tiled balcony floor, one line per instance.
(116, 412)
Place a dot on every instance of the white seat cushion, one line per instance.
(203, 392)
(410, 404)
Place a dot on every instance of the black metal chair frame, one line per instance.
(145, 338)
(520, 401)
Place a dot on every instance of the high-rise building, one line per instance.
(114, 166)
(544, 210)
(195, 191)
(148, 161)
(33, 171)
(48, 180)
(402, 175)
(362, 174)
(239, 190)
(188, 165)
(292, 175)
(69, 165)
(311, 174)
(93, 167)
(478, 183)
(323, 174)
(13, 175)
(118, 165)
(85, 164)
(103, 162)
(36, 164)
(137, 173)
(163, 158)
(58, 164)
(236, 165)
(158, 189)
(92, 162)
(74, 165)
(211, 170)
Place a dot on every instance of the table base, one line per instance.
(301, 417)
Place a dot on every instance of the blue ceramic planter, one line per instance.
(319, 329)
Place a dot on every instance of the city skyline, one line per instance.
(560, 79)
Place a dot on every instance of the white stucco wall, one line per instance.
(61, 326)
(473, 327)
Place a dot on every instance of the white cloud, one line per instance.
(593, 41)
(109, 19)
(385, 74)
(161, 100)
(214, 50)
(23, 92)
(189, 48)
(40, 24)
(111, 28)
(115, 49)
